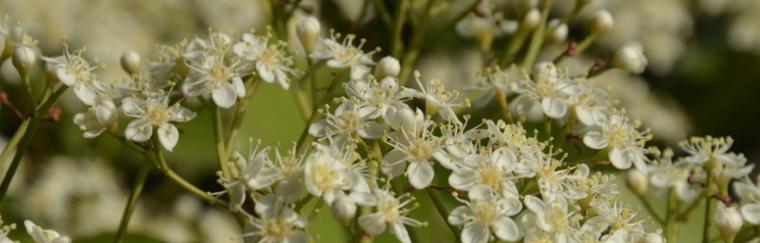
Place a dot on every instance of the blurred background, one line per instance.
(703, 78)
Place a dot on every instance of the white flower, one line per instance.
(344, 55)
(40, 235)
(276, 223)
(621, 222)
(271, 62)
(497, 80)
(484, 213)
(554, 182)
(154, 113)
(437, 98)
(326, 173)
(418, 146)
(548, 94)
(73, 71)
(550, 220)
(750, 200)
(289, 169)
(254, 172)
(490, 170)
(347, 122)
(383, 98)
(213, 76)
(625, 143)
(666, 174)
(390, 210)
(99, 117)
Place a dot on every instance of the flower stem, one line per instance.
(502, 98)
(441, 208)
(708, 207)
(221, 152)
(242, 107)
(670, 222)
(131, 201)
(168, 172)
(649, 208)
(21, 147)
(538, 37)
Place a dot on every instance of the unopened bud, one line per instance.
(560, 31)
(637, 181)
(308, 31)
(343, 208)
(24, 58)
(387, 67)
(728, 220)
(630, 58)
(531, 19)
(130, 62)
(602, 22)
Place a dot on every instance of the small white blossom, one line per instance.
(624, 142)
(344, 54)
(276, 223)
(40, 235)
(486, 212)
(391, 211)
(75, 72)
(98, 118)
(418, 146)
(153, 113)
(271, 62)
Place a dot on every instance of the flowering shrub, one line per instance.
(532, 158)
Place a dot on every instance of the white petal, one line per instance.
(181, 114)
(462, 179)
(85, 94)
(264, 72)
(237, 83)
(393, 163)
(131, 107)
(289, 190)
(168, 136)
(343, 208)
(506, 229)
(138, 130)
(534, 204)
(474, 232)
(459, 215)
(584, 115)
(359, 71)
(374, 130)
(401, 234)
(224, 95)
(363, 198)
(554, 107)
(620, 158)
(67, 77)
(751, 213)
(595, 140)
(372, 223)
(420, 174)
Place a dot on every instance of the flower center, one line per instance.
(388, 209)
(420, 150)
(485, 212)
(323, 177)
(156, 114)
(491, 176)
(277, 228)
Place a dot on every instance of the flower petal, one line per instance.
(620, 158)
(168, 136)
(138, 130)
(420, 174)
(224, 95)
(85, 94)
(595, 140)
(506, 229)
(459, 215)
(554, 107)
(751, 213)
(400, 232)
(474, 232)
(372, 223)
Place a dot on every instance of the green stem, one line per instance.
(242, 107)
(504, 105)
(670, 222)
(131, 201)
(538, 37)
(708, 207)
(221, 152)
(13, 143)
(315, 115)
(441, 208)
(168, 172)
(398, 45)
(649, 208)
(22, 147)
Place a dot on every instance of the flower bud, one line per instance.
(308, 31)
(130, 62)
(531, 19)
(630, 58)
(343, 208)
(560, 31)
(728, 220)
(387, 67)
(602, 22)
(24, 58)
(637, 181)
